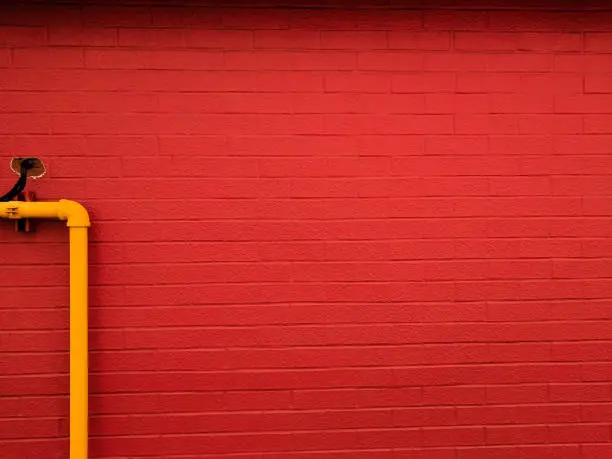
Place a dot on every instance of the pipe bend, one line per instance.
(74, 213)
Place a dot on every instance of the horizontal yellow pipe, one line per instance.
(77, 220)
(72, 212)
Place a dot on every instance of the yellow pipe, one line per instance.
(77, 220)
(78, 342)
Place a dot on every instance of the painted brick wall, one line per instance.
(318, 233)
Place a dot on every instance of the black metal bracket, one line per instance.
(25, 225)
(26, 165)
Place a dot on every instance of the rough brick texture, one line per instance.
(346, 232)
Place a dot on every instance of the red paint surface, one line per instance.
(318, 233)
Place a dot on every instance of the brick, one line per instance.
(360, 83)
(159, 38)
(389, 61)
(591, 288)
(322, 420)
(22, 36)
(455, 436)
(377, 145)
(519, 414)
(538, 21)
(218, 39)
(353, 40)
(559, 310)
(596, 248)
(23, 15)
(455, 145)
(454, 186)
(434, 82)
(492, 248)
(30, 124)
(153, 60)
(598, 84)
(392, 124)
(189, 81)
(598, 42)
(225, 103)
(520, 62)
(488, 41)
(585, 103)
(386, 19)
(206, 167)
(587, 433)
(287, 39)
(32, 385)
(272, 60)
(513, 103)
(523, 352)
(590, 145)
(430, 41)
(456, 62)
(551, 310)
(594, 22)
(522, 452)
(558, 42)
(557, 124)
(597, 412)
(520, 186)
(479, 124)
(432, 453)
(82, 36)
(580, 392)
(581, 268)
(537, 206)
(594, 124)
(506, 82)
(378, 19)
(500, 435)
(460, 103)
(455, 20)
(314, 19)
(5, 58)
(451, 166)
(48, 58)
(253, 18)
(109, 16)
(596, 451)
(28, 428)
(596, 205)
(44, 319)
(385, 104)
(162, 16)
(51, 103)
(351, 398)
(588, 62)
(525, 393)
(453, 395)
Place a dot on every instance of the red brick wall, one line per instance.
(318, 233)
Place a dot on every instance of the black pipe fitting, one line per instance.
(26, 164)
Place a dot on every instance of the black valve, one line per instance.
(24, 167)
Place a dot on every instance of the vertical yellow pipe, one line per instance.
(78, 343)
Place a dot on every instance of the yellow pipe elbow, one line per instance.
(74, 213)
